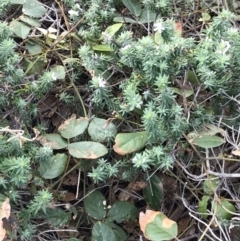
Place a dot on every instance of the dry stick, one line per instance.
(207, 172)
(78, 183)
(69, 31)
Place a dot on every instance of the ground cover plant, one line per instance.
(119, 120)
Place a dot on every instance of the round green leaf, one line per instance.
(126, 143)
(20, 29)
(87, 149)
(101, 130)
(101, 232)
(153, 192)
(208, 141)
(161, 228)
(147, 16)
(122, 211)
(73, 127)
(58, 217)
(94, 205)
(33, 8)
(119, 232)
(33, 48)
(53, 167)
(55, 141)
(134, 6)
(58, 72)
(220, 207)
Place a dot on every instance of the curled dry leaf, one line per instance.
(5, 210)
(236, 152)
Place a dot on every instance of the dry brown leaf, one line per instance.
(137, 186)
(128, 193)
(71, 179)
(5, 211)
(236, 152)
(69, 196)
(178, 28)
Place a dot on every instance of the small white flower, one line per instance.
(101, 82)
(224, 46)
(158, 27)
(73, 13)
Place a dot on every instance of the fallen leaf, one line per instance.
(69, 196)
(145, 218)
(236, 152)
(5, 210)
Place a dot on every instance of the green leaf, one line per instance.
(102, 232)
(147, 16)
(20, 29)
(55, 141)
(33, 47)
(202, 206)
(102, 47)
(161, 228)
(210, 185)
(205, 17)
(53, 167)
(94, 205)
(112, 29)
(58, 72)
(207, 141)
(118, 231)
(192, 78)
(183, 92)
(122, 211)
(221, 209)
(134, 6)
(153, 192)
(33, 8)
(124, 20)
(31, 21)
(87, 149)
(126, 143)
(158, 39)
(73, 127)
(101, 130)
(57, 217)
